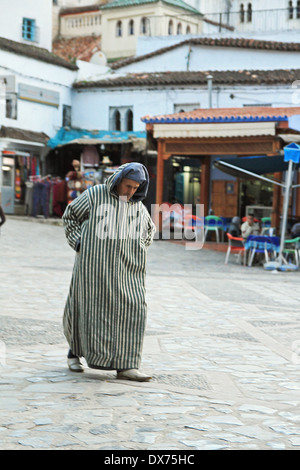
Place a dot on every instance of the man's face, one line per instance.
(127, 188)
(250, 219)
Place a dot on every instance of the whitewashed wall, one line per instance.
(11, 19)
(91, 107)
(35, 116)
(216, 58)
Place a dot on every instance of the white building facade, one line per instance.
(27, 22)
(96, 107)
(262, 17)
(35, 101)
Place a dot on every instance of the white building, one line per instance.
(77, 20)
(128, 98)
(207, 53)
(62, 25)
(27, 22)
(123, 22)
(35, 101)
(263, 17)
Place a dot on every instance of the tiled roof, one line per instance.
(81, 48)
(129, 3)
(215, 115)
(239, 77)
(22, 134)
(34, 52)
(215, 42)
(82, 9)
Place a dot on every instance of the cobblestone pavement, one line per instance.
(222, 343)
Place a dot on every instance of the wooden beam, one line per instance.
(261, 145)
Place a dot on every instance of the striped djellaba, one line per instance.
(105, 314)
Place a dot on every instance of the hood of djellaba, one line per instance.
(134, 171)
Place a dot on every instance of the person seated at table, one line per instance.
(295, 230)
(249, 227)
(234, 227)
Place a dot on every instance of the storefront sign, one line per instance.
(38, 95)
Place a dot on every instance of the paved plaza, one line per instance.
(222, 343)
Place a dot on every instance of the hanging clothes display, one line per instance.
(41, 194)
(45, 196)
(90, 156)
(18, 191)
(58, 197)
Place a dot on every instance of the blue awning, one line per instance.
(85, 137)
(258, 165)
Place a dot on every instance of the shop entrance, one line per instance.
(256, 197)
(183, 181)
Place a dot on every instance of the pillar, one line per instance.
(205, 183)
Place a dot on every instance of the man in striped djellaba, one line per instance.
(105, 314)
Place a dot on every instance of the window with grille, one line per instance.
(29, 31)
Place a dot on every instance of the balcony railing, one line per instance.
(284, 19)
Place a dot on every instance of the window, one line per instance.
(66, 118)
(11, 106)
(119, 29)
(188, 30)
(249, 13)
(131, 28)
(121, 118)
(185, 107)
(291, 10)
(116, 121)
(242, 13)
(170, 28)
(179, 28)
(29, 29)
(145, 26)
(298, 9)
(129, 120)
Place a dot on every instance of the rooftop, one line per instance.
(240, 77)
(224, 115)
(34, 52)
(129, 3)
(242, 43)
(81, 48)
(76, 10)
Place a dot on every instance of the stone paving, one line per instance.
(222, 343)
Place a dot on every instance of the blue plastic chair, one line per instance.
(213, 223)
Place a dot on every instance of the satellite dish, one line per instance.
(98, 58)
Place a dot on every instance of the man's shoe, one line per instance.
(133, 374)
(75, 364)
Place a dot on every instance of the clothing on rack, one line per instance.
(45, 196)
(41, 194)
